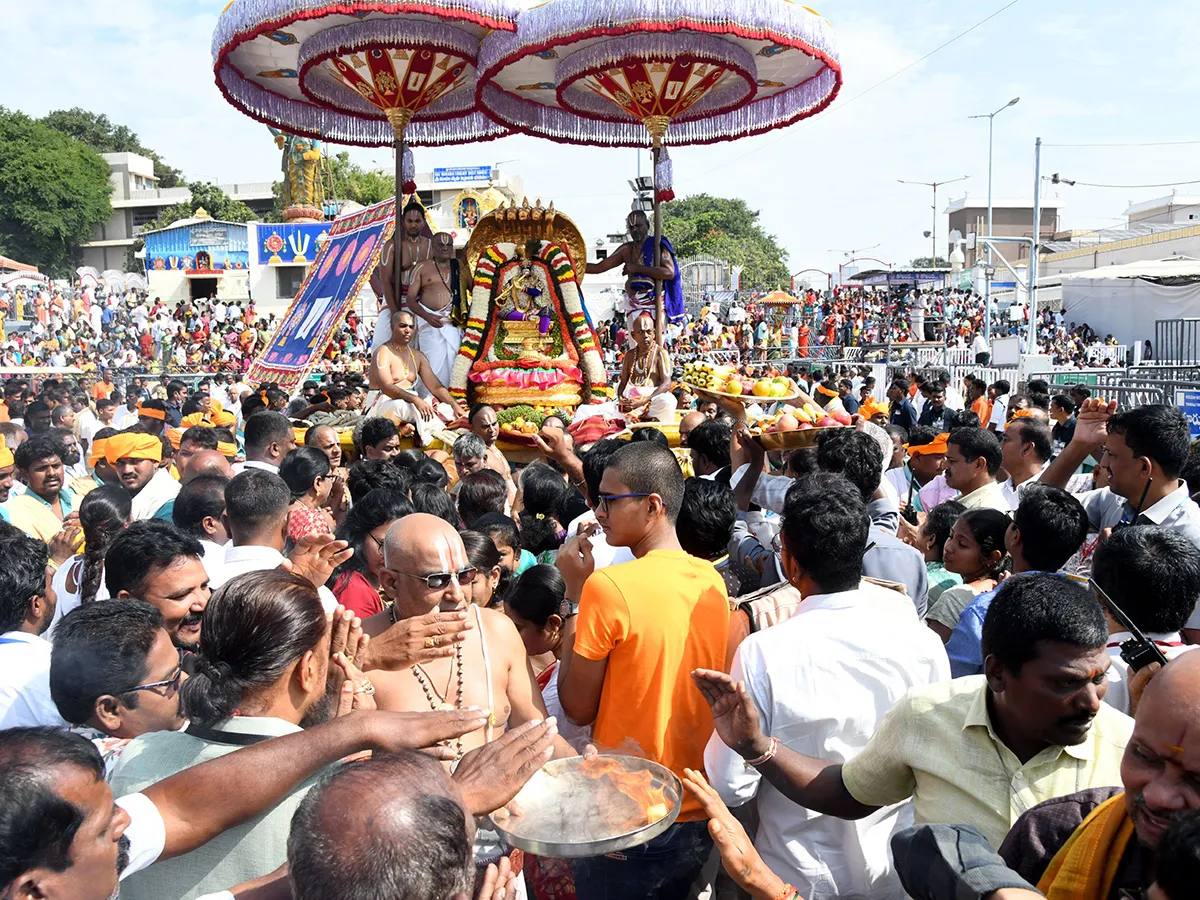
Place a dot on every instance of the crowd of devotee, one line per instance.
(315, 652)
(91, 328)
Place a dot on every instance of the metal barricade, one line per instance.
(1177, 340)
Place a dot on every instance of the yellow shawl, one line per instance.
(1086, 865)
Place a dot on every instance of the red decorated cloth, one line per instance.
(594, 429)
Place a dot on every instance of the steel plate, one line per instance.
(563, 812)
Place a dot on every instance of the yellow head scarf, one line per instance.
(129, 445)
(6, 455)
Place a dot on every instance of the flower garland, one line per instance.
(566, 297)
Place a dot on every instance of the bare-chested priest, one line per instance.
(431, 295)
(415, 246)
(425, 569)
(396, 368)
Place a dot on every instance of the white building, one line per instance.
(137, 201)
(1176, 209)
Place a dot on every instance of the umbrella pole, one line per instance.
(659, 313)
(397, 240)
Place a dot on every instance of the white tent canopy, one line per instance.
(1171, 267)
(1126, 300)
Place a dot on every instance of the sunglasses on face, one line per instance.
(171, 685)
(439, 581)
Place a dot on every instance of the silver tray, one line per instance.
(562, 816)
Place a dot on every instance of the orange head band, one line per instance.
(130, 445)
(227, 449)
(151, 413)
(936, 447)
(98, 451)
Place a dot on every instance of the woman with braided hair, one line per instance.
(103, 514)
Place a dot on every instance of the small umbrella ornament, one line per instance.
(627, 73)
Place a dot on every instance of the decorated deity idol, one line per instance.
(528, 339)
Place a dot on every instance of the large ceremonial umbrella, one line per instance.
(627, 73)
(362, 72)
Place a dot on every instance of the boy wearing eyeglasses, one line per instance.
(642, 627)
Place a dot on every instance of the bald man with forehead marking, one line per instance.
(426, 569)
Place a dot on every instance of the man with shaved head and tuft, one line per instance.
(426, 569)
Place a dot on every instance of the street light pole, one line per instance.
(935, 185)
(991, 117)
(1033, 251)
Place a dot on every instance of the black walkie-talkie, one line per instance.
(910, 514)
(1139, 651)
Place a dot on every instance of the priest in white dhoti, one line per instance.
(434, 297)
(644, 391)
(416, 245)
(396, 371)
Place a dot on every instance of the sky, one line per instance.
(1091, 73)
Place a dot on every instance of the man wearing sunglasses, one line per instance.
(426, 570)
(115, 673)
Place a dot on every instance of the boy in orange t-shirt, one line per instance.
(642, 628)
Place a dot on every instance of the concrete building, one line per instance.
(1010, 218)
(137, 201)
(1176, 209)
(456, 198)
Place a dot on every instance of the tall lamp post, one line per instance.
(935, 185)
(987, 321)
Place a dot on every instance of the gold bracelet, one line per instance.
(52, 564)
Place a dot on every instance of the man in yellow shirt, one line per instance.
(642, 627)
(40, 511)
(980, 750)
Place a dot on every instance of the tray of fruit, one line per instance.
(796, 428)
(725, 381)
(518, 425)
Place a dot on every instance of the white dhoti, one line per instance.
(383, 328)
(662, 408)
(440, 345)
(404, 411)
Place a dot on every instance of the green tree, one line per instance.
(53, 191)
(727, 229)
(211, 199)
(352, 182)
(206, 196)
(105, 136)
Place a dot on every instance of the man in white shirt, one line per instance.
(126, 416)
(269, 437)
(26, 610)
(1025, 449)
(585, 474)
(1144, 450)
(821, 683)
(998, 395)
(200, 511)
(256, 518)
(1153, 575)
(981, 349)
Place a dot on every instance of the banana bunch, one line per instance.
(708, 376)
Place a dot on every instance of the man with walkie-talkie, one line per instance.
(1148, 580)
(1144, 450)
